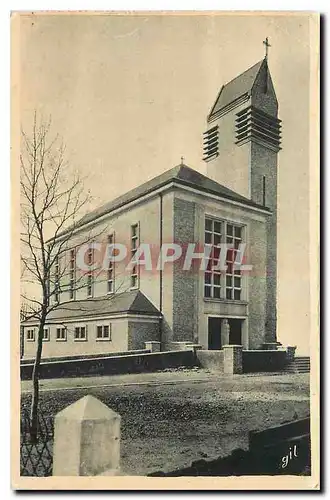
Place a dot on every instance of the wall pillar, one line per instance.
(225, 332)
(86, 439)
(153, 346)
(245, 334)
(232, 359)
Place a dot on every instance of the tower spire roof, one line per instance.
(237, 87)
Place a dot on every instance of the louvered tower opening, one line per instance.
(252, 124)
(211, 143)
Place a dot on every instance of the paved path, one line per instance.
(170, 377)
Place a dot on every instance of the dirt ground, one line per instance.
(167, 426)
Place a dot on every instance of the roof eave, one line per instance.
(215, 102)
(224, 196)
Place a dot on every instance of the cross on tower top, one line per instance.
(182, 160)
(267, 45)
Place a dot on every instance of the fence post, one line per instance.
(86, 439)
(153, 346)
(232, 359)
(290, 353)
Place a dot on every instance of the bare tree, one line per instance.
(51, 202)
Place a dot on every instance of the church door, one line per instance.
(235, 336)
(214, 333)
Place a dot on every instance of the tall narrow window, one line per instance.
(134, 246)
(90, 272)
(111, 267)
(72, 271)
(233, 276)
(264, 190)
(45, 336)
(57, 280)
(212, 277)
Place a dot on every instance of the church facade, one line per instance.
(181, 224)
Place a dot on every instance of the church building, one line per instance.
(121, 307)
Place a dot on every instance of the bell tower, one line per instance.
(241, 146)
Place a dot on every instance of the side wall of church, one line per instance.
(147, 214)
(185, 281)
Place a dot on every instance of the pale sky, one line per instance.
(130, 96)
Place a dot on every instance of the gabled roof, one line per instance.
(181, 174)
(133, 302)
(237, 87)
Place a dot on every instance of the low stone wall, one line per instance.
(180, 346)
(264, 361)
(133, 363)
(211, 360)
(86, 356)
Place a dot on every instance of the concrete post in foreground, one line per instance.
(232, 359)
(153, 346)
(86, 440)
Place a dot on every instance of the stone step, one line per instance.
(300, 364)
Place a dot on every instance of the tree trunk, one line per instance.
(35, 382)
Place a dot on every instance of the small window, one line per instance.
(46, 334)
(208, 238)
(90, 256)
(111, 266)
(72, 271)
(217, 227)
(57, 280)
(216, 239)
(135, 242)
(30, 335)
(208, 225)
(61, 333)
(103, 332)
(89, 284)
(135, 228)
(80, 333)
(134, 281)
(110, 281)
(90, 277)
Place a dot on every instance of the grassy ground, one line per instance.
(165, 427)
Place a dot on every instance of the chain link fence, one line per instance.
(36, 459)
